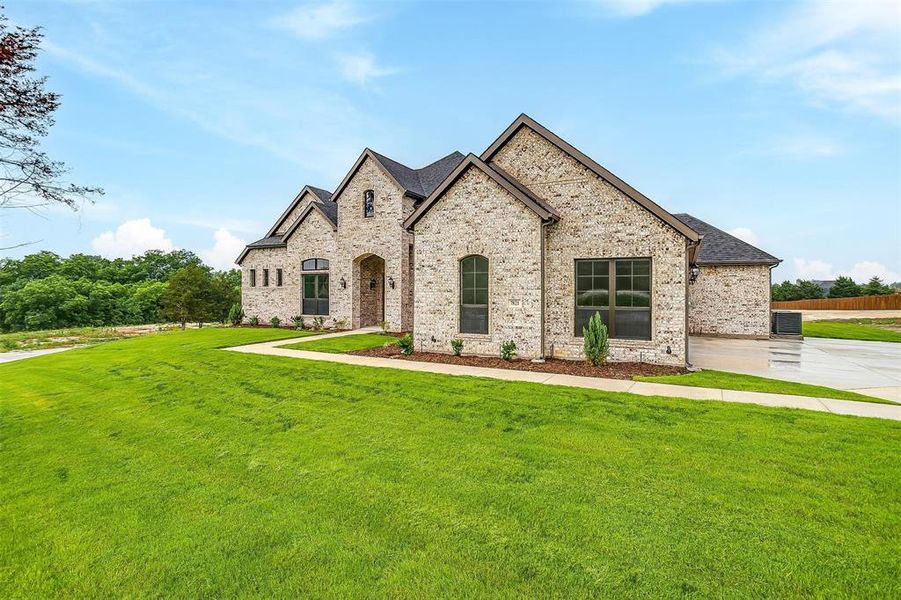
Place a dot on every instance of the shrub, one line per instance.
(340, 323)
(383, 325)
(508, 350)
(254, 320)
(235, 314)
(406, 344)
(318, 323)
(275, 322)
(595, 343)
(457, 346)
(844, 287)
(298, 321)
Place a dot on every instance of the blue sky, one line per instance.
(778, 121)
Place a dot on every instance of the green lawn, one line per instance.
(347, 343)
(160, 466)
(751, 383)
(877, 330)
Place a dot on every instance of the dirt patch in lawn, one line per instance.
(611, 370)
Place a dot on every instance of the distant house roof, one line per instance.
(416, 183)
(825, 285)
(721, 248)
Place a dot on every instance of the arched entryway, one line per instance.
(369, 308)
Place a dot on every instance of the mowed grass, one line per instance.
(751, 383)
(161, 466)
(346, 343)
(874, 330)
(58, 338)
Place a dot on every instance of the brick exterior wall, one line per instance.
(477, 216)
(314, 238)
(599, 221)
(730, 301)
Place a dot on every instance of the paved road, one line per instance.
(6, 357)
(873, 368)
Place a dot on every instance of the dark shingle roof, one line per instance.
(272, 241)
(322, 194)
(420, 182)
(721, 248)
(330, 209)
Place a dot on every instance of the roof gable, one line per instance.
(314, 192)
(526, 121)
(416, 183)
(721, 248)
(328, 210)
(541, 208)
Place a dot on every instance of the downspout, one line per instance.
(544, 225)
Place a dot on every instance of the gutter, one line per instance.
(543, 230)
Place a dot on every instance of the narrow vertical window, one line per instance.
(265, 277)
(592, 292)
(253, 278)
(474, 294)
(368, 203)
(278, 277)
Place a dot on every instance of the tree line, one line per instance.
(843, 287)
(45, 291)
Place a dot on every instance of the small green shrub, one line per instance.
(457, 346)
(235, 314)
(595, 342)
(275, 322)
(383, 325)
(508, 350)
(340, 323)
(298, 321)
(254, 320)
(406, 344)
(318, 323)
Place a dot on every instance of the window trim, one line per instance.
(319, 265)
(611, 302)
(303, 288)
(253, 278)
(487, 332)
(371, 209)
(278, 278)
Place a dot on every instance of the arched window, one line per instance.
(368, 203)
(474, 294)
(315, 286)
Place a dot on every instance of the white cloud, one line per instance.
(746, 235)
(805, 147)
(320, 20)
(861, 272)
(836, 53)
(131, 238)
(226, 248)
(637, 8)
(361, 68)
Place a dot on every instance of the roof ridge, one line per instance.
(717, 250)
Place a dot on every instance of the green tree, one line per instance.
(786, 291)
(844, 287)
(189, 295)
(595, 342)
(808, 290)
(875, 287)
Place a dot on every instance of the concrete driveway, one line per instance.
(872, 368)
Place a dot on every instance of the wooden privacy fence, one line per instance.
(891, 302)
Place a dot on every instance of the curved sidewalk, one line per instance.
(842, 407)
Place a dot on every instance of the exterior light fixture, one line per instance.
(372, 284)
(391, 282)
(693, 272)
(343, 284)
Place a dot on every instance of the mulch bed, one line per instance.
(610, 370)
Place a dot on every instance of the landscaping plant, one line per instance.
(254, 321)
(457, 346)
(235, 314)
(595, 343)
(298, 321)
(318, 323)
(508, 350)
(406, 344)
(275, 322)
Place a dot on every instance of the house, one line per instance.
(523, 242)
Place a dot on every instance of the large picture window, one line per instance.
(474, 294)
(620, 290)
(315, 287)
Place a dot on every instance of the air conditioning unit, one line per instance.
(786, 322)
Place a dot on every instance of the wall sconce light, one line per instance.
(372, 284)
(343, 284)
(693, 272)
(391, 282)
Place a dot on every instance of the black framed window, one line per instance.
(314, 264)
(265, 277)
(253, 278)
(474, 294)
(278, 277)
(368, 203)
(625, 281)
(315, 294)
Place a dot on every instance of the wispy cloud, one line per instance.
(805, 147)
(226, 248)
(321, 20)
(361, 68)
(746, 235)
(637, 8)
(860, 272)
(842, 54)
(131, 238)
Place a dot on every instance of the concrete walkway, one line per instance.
(14, 355)
(843, 407)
